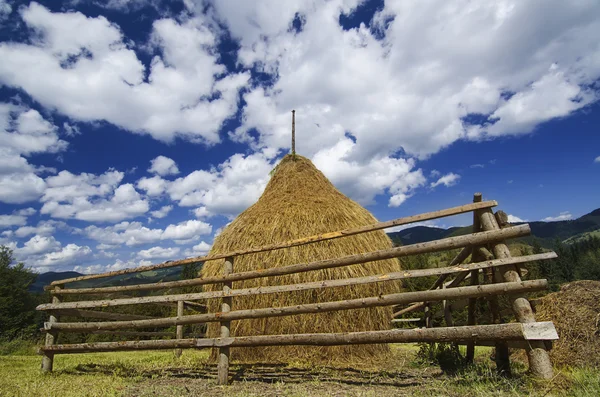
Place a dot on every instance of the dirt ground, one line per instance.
(279, 380)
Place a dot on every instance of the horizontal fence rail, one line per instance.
(297, 242)
(413, 249)
(383, 300)
(73, 306)
(505, 332)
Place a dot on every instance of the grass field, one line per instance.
(161, 374)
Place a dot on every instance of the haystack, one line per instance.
(299, 201)
(575, 311)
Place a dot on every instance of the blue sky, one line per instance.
(133, 131)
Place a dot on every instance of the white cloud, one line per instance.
(363, 181)
(118, 265)
(85, 197)
(411, 225)
(477, 165)
(5, 10)
(23, 132)
(12, 220)
(597, 160)
(158, 252)
(163, 166)
(84, 68)
(134, 233)
(563, 216)
(199, 249)
(447, 180)
(37, 245)
(412, 89)
(162, 212)
(226, 189)
(43, 228)
(515, 219)
(186, 230)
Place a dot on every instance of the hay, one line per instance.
(575, 311)
(298, 202)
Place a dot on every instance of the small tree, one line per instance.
(18, 317)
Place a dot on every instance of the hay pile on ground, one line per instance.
(298, 202)
(575, 311)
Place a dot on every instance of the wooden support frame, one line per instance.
(487, 237)
(537, 354)
(376, 301)
(294, 243)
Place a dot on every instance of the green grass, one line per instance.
(160, 373)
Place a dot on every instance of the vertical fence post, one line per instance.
(51, 338)
(179, 335)
(539, 360)
(223, 366)
(475, 257)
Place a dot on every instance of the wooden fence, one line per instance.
(489, 255)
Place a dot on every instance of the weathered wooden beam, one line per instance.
(134, 333)
(382, 300)
(413, 249)
(304, 286)
(51, 337)
(99, 315)
(539, 360)
(478, 255)
(508, 332)
(223, 365)
(293, 243)
(179, 329)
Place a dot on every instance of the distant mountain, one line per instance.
(46, 278)
(544, 232)
(152, 276)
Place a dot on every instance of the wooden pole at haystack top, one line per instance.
(294, 133)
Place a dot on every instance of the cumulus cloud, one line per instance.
(162, 212)
(84, 68)
(12, 220)
(597, 160)
(44, 253)
(134, 233)
(24, 132)
(118, 265)
(563, 216)
(447, 180)
(5, 9)
(199, 249)
(158, 252)
(162, 166)
(227, 189)
(515, 219)
(92, 198)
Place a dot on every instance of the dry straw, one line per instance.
(575, 311)
(298, 202)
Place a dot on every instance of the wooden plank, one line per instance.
(303, 286)
(294, 243)
(543, 330)
(376, 301)
(100, 315)
(507, 332)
